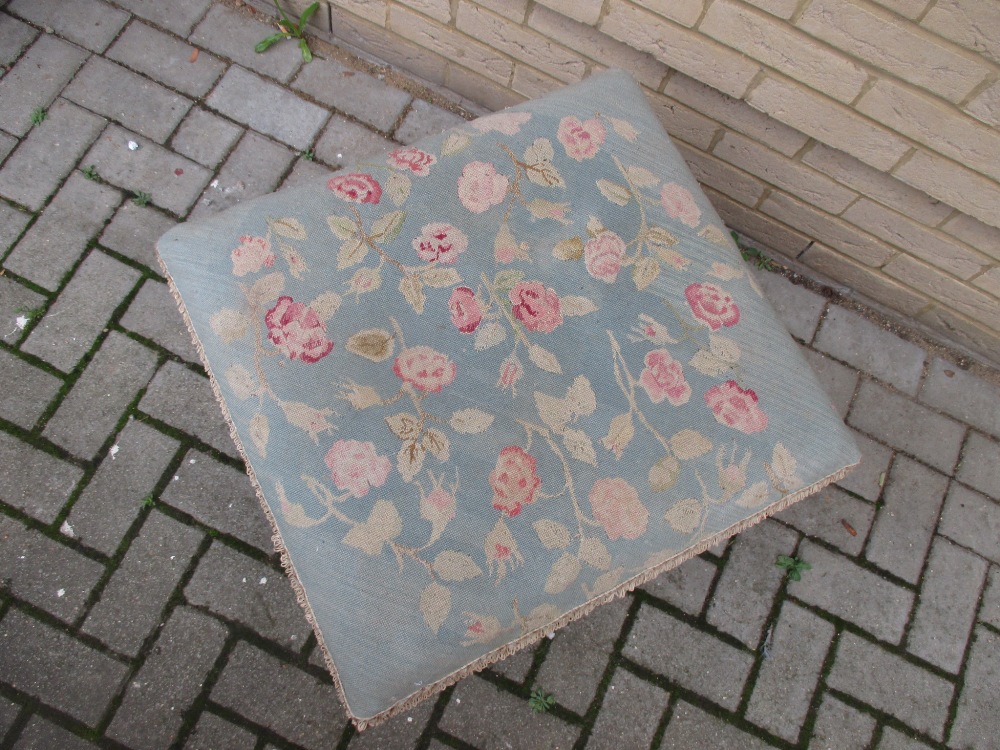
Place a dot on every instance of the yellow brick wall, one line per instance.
(859, 137)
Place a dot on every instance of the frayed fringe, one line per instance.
(509, 648)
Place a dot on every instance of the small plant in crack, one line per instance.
(794, 566)
(541, 702)
(308, 154)
(27, 315)
(290, 30)
(148, 502)
(38, 115)
(753, 255)
(91, 173)
(140, 198)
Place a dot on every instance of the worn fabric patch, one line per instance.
(494, 379)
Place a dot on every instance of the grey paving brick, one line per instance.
(166, 59)
(170, 679)
(579, 655)
(962, 395)
(236, 587)
(153, 314)
(89, 23)
(14, 37)
(630, 713)
(184, 399)
(852, 338)
(973, 521)
(36, 482)
(27, 390)
(89, 413)
(205, 137)
(797, 307)
(16, 301)
(12, 224)
(823, 515)
(134, 231)
(54, 243)
(685, 586)
(277, 695)
(173, 181)
(48, 154)
(907, 425)
(850, 592)
(895, 740)
(57, 669)
(41, 734)
(151, 110)
(980, 467)
(399, 733)
(788, 677)
(231, 34)
(254, 168)
(691, 728)
(946, 609)
(696, 660)
(213, 733)
(885, 681)
(179, 16)
(751, 568)
(352, 92)
(869, 478)
(130, 605)
(989, 612)
(837, 380)
(425, 119)
(489, 718)
(111, 501)
(345, 142)
(840, 727)
(8, 709)
(45, 573)
(905, 523)
(977, 722)
(7, 144)
(514, 667)
(36, 80)
(220, 497)
(305, 171)
(267, 108)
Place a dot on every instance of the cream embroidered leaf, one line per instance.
(660, 239)
(580, 446)
(266, 289)
(296, 263)
(580, 397)
(554, 412)
(571, 249)
(413, 292)
(620, 195)
(594, 226)
(551, 534)
(470, 421)
(543, 209)
(435, 605)
(644, 272)
(326, 305)
(242, 382)
(755, 495)
(572, 305)
(625, 129)
(544, 359)
(454, 143)
(782, 468)
(322, 492)
(540, 171)
(440, 277)
(684, 516)
(455, 566)
(398, 187)
(342, 227)
(352, 252)
(229, 325)
(564, 571)
(293, 513)
(663, 474)
(688, 444)
(387, 227)
(715, 235)
(375, 344)
(290, 228)
(436, 443)
(641, 177)
(383, 525)
(404, 425)
(594, 553)
(604, 582)
(260, 430)
(539, 151)
(308, 418)
(410, 460)
(488, 336)
(620, 434)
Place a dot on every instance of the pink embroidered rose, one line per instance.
(508, 123)
(480, 187)
(514, 480)
(535, 306)
(679, 204)
(356, 187)
(712, 305)
(297, 331)
(417, 161)
(424, 368)
(253, 254)
(603, 256)
(663, 379)
(356, 467)
(617, 508)
(466, 315)
(735, 407)
(510, 372)
(440, 505)
(440, 242)
(582, 140)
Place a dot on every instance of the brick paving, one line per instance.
(141, 604)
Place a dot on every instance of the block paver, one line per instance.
(824, 516)
(947, 606)
(972, 520)
(213, 733)
(685, 586)
(252, 594)
(153, 314)
(48, 154)
(112, 500)
(274, 694)
(55, 242)
(205, 137)
(357, 94)
(304, 171)
(515, 668)
(12, 224)
(630, 713)
(425, 119)
(56, 668)
(962, 395)
(894, 740)
(990, 610)
(693, 729)
(133, 233)
(89, 23)
(254, 168)
(27, 390)
(841, 727)
(171, 678)
(8, 715)
(130, 605)
(797, 307)
(179, 16)
(977, 722)
(45, 573)
(167, 59)
(847, 590)
(868, 479)
(14, 37)
(241, 95)
(35, 482)
(402, 731)
(41, 734)
(837, 380)
(35, 80)
(907, 425)
(233, 35)
(345, 142)
(980, 467)
(88, 415)
(887, 682)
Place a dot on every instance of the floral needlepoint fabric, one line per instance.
(492, 380)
